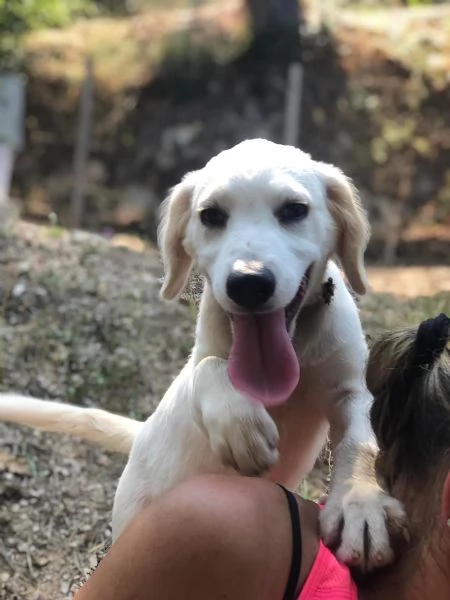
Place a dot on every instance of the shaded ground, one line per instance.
(80, 319)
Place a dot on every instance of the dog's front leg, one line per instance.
(241, 432)
(359, 518)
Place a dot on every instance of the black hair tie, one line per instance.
(431, 340)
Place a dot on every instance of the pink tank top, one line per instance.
(328, 579)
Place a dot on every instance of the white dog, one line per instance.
(277, 363)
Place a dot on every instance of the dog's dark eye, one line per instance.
(213, 217)
(292, 212)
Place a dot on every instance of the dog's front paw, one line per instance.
(363, 523)
(245, 438)
(240, 432)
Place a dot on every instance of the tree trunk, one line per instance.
(275, 29)
(267, 15)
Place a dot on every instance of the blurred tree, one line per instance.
(275, 26)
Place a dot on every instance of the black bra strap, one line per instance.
(296, 561)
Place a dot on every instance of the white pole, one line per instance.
(6, 169)
(294, 91)
(12, 107)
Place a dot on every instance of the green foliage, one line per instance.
(17, 17)
(421, 2)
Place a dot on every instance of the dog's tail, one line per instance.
(112, 432)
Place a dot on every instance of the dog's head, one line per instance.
(258, 220)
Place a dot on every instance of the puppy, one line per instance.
(279, 356)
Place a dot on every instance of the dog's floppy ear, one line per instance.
(353, 227)
(175, 213)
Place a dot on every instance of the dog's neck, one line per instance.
(213, 335)
(213, 329)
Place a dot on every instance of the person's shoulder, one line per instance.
(246, 523)
(248, 518)
(254, 512)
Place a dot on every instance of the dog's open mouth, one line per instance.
(293, 307)
(263, 364)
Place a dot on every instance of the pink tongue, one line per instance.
(262, 362)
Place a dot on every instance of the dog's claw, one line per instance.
(371, 519)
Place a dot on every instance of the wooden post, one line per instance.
(82, 147)
(292, 115)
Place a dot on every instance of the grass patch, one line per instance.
(385, 312)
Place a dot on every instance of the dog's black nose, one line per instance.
(250, 284)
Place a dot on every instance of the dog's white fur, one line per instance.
(203, 425)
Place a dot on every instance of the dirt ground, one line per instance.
(80, 319)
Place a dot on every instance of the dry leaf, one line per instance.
(13, 465)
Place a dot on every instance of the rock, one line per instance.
(39, 560)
